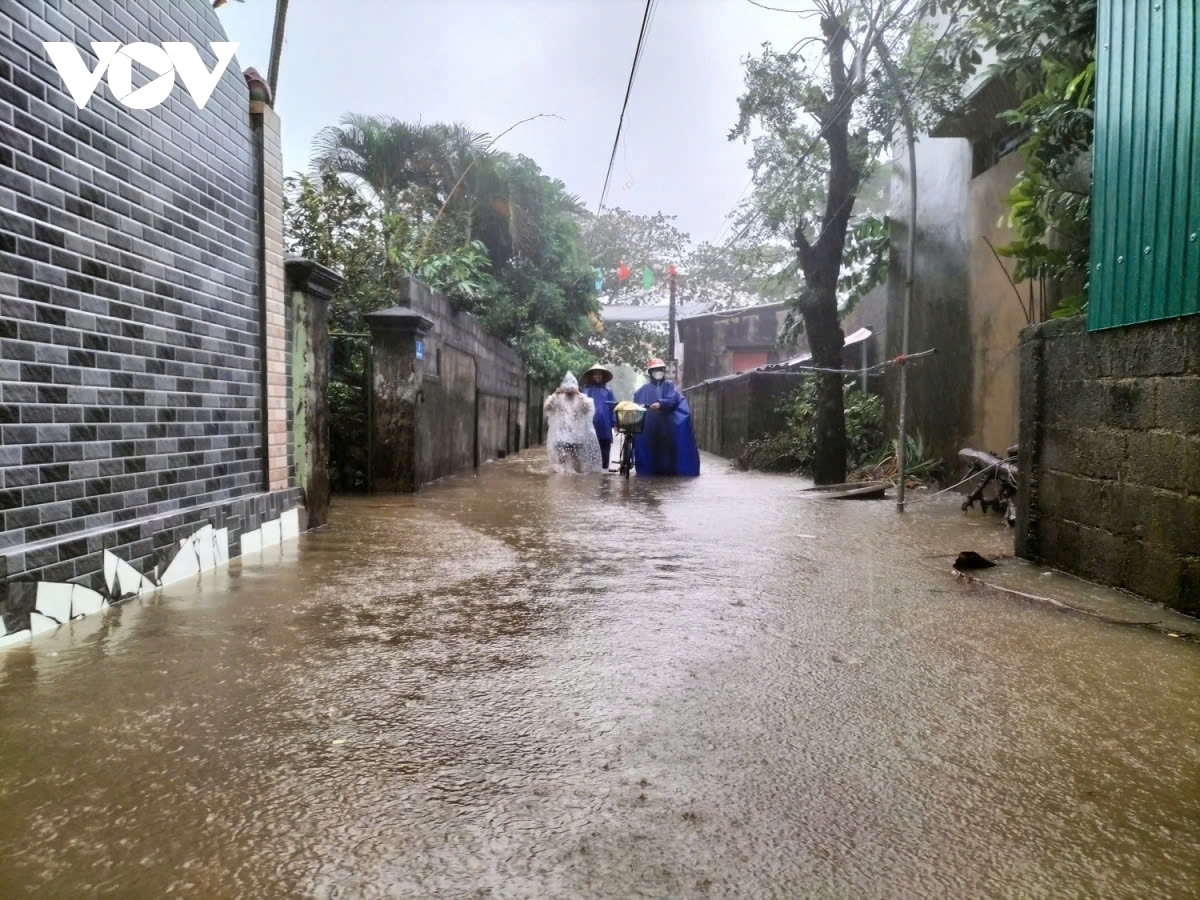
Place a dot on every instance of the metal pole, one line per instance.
(671, 323)
(864, 365)
(281, 11)
(908, 284)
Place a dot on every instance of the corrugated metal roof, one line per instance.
(857, 337)
(659, 313)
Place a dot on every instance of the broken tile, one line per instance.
(185, 565)
(85, 601)
(271, 533)
(251, 542)
(16, 637)
(39, 624)
(14, 620)
(205, 558)
(54, 600)
(221, 546)
(130, 580)
(200, 534)
(289, 524)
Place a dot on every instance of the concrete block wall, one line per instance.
(131, 320)
(728, 412)
(1110, 455)
(455, 424)
(463, 402)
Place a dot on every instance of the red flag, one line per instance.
(622, 271)
(671, 270)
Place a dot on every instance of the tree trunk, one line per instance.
(821, 262)
(825, 340)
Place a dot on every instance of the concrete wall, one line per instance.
(728, 412)
(465, 402)
(963, 303)
(473, 363)
(710, 341)
(940, 405)
(132, 336)
(995, 314)
(1110, 455)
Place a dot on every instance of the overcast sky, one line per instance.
(490, 63)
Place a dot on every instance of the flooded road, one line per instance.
(521, 686)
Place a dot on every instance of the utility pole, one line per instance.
(671, 320)
(910, 264)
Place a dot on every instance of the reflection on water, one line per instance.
(520, 686)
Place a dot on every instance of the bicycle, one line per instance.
(630, 421)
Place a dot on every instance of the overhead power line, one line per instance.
(637, 55)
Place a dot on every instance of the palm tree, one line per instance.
(383, 155)
(457, 156)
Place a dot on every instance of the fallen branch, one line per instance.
(1057, 604)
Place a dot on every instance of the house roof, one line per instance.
(734, 313)
(857, 337)
(614, 312)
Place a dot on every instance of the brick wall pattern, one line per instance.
(131, 386)
(1110, 455)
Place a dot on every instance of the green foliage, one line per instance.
(792, 449)
(1047, 48)
(864, 268)
(818, 130)
(327, 221)
(734, 275)
(629, 343)
(348, 426)
(617, 235)
(864, 261)
(489, 230)
(462, 273)
(549, 358)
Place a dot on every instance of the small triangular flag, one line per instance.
(647, 278)
(671, 270)
(599, 279)
(622, 271)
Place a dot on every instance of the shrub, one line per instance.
(791, 449)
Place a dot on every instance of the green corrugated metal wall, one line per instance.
(1146, 191)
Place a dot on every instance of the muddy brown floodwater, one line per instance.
(523, 686)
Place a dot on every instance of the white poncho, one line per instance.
(571, 441)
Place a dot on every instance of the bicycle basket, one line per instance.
(631, 419)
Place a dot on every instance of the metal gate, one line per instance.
(349, 413)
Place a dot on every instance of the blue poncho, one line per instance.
(604, 401)
(666, 445)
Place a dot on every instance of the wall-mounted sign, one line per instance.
(420, 349)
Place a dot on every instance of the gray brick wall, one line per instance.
(129, 310)
(1110, 455)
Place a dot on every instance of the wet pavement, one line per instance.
(522, 686)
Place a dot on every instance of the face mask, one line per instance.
(658, 376)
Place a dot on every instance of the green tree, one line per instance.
(1047, 48)
(817, 133)
(489, 229)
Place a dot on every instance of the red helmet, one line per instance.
(655, 364)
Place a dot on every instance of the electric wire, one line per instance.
(637, 54)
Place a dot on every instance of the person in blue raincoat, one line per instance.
(595, 385)
(666, 445)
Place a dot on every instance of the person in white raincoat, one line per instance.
(571, 441)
